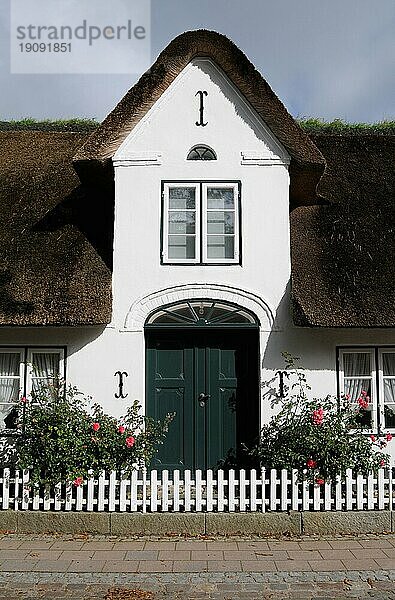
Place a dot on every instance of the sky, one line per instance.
(323, 58)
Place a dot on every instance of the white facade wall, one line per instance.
(155, 151)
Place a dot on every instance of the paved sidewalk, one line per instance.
(85, 567)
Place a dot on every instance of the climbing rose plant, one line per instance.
(65, 437)
(319, 437)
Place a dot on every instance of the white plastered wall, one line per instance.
(156, 150)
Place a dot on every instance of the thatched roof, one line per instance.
(56, 235)
(307, 164)
(56, 227)
(54, 261)
(343, 254)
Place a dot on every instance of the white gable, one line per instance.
(233, 128)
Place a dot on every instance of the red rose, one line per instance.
(311, 463)
(388, 437)
(78, 481)
(130, 441)
(320, 481)
(96, 426)
(363, 403)
(121, 429)
(382, 463)
(318, 416)
(373, 438)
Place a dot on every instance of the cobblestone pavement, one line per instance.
(96, 567)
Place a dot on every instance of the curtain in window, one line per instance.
(356, 365)
(45, 369)
(389, 371)
(357, 377)
(9, 386)
(9, 377)
(389, 388)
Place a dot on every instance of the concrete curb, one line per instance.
(194, 524)
(327, 523)
(253, 523)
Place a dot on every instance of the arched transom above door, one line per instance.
(202, 313)
(140, 311)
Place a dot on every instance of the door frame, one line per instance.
(162, 328)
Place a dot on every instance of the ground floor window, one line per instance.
(23, 370)
(370, 370)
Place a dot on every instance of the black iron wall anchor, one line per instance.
(281, 378)
(201, 94)
(121, 375)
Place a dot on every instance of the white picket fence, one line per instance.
(207, 491)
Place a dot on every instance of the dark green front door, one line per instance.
(209, 379)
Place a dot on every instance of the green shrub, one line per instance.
(340, 127)
(320, 437)
(62, 440)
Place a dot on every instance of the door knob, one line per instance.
(203, 399)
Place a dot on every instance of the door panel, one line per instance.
(221, 407)
(222, 365)
(169, 390)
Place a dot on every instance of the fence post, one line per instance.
(176, 490)
(187, 490)
(380, 485)
(338, 493)
(209, 490)
(100, 492)
(154, 490)
(134, 486)
(221, 495)
(284, 489)
(295, 490)
(349, 494)
(26, 489)
(122, 491)
(360, 486)
(165, 490)
(47, 497)
(6, 488)
(263, 486)
(16, 493)
(144, 489)
(253, 497)
(242, 490)
(231, 490)
(391, 488)
(198, 490)
(305, 495)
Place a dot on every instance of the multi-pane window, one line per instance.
(371, 370)
(387, 391)
(200, 223)
(23, 371)
(201, 153)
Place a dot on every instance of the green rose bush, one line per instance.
(321, 438)
(67, 438)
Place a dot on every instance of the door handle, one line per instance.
(202, 399)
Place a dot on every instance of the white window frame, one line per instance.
(25, 369)
(21, 352)
(377, 381)
(381, 352)
(201, 235)
(235, 235)
(29, 362)
(166, 211)
(372, 377)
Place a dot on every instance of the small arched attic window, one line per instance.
(201, 152)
